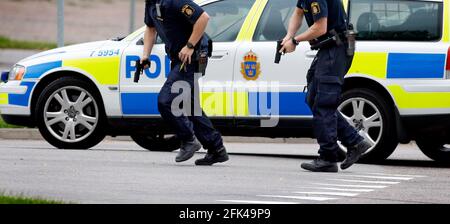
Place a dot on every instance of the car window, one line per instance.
(227, 17)
(275, 20)
(397, 20)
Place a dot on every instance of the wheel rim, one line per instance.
(365, 117)
(71, 114)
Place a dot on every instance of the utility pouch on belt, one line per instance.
(202, 54)
(333, 39)
(350, 34)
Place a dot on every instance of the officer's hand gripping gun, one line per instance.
(140, 69)
(277, 53)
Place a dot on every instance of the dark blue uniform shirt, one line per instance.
(317, 9)
(174, 23)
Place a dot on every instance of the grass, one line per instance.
(25, 200)
(5, 42)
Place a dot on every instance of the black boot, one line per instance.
(354, 153)
(187, 150)
(216, 156)
(320, 165)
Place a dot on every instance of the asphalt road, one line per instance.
(121, 172)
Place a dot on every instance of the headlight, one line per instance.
(16, 73)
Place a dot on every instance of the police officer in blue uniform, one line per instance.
(327, 32)
(181, 25)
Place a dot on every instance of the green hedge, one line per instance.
(25, 200)
(5, 42)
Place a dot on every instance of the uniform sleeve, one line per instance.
(299, 4)
(188, 9)
(319, 9)
(148, 20)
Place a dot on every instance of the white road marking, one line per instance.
(331, 189)
(352, 185)
(366, 181)
(339, 189)
(299, 197)
(259, 202)
(382, 177)
(398, 175)
(328, 193)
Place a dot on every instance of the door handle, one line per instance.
(311, 54)
(219, 55)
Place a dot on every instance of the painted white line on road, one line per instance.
(339, 189)
(382, 177)
(259, 202)
(352, 185)
(398, 175)
(366, 181)
(312, 198)
(327, 193)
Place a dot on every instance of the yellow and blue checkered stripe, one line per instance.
(384, 65)
(105, 70)
(226, 104)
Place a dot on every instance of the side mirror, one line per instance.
(140, 41)
(4, 77)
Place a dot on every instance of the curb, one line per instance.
(33, 134)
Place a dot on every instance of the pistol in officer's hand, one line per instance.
(278, 52)
(141, 65)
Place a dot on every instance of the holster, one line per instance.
(202, 63)
(332, 39)
(202, 53)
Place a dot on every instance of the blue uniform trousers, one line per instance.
(325, 80)
(187, 126)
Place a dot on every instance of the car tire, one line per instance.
(377, 122)
(157, 143)
(65, 120)
(435, 150)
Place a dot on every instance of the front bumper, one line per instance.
(14, 98)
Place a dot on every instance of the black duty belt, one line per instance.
(331, 39)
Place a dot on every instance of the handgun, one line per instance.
(140, 69)
(277, 53)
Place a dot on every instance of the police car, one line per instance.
(397, 90)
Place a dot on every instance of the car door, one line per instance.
(226, 20)
(140, 99)
(273, 89)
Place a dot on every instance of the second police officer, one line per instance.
(327, 27)
(181, 25)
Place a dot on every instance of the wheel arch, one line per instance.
(52, 76)
(353, 82)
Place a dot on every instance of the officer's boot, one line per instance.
(354, 153)
(217, 156)
(320, 165)
(187, 150)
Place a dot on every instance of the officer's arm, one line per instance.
(199, 28)
(149, 40)
(318, 29)
(295, 23)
